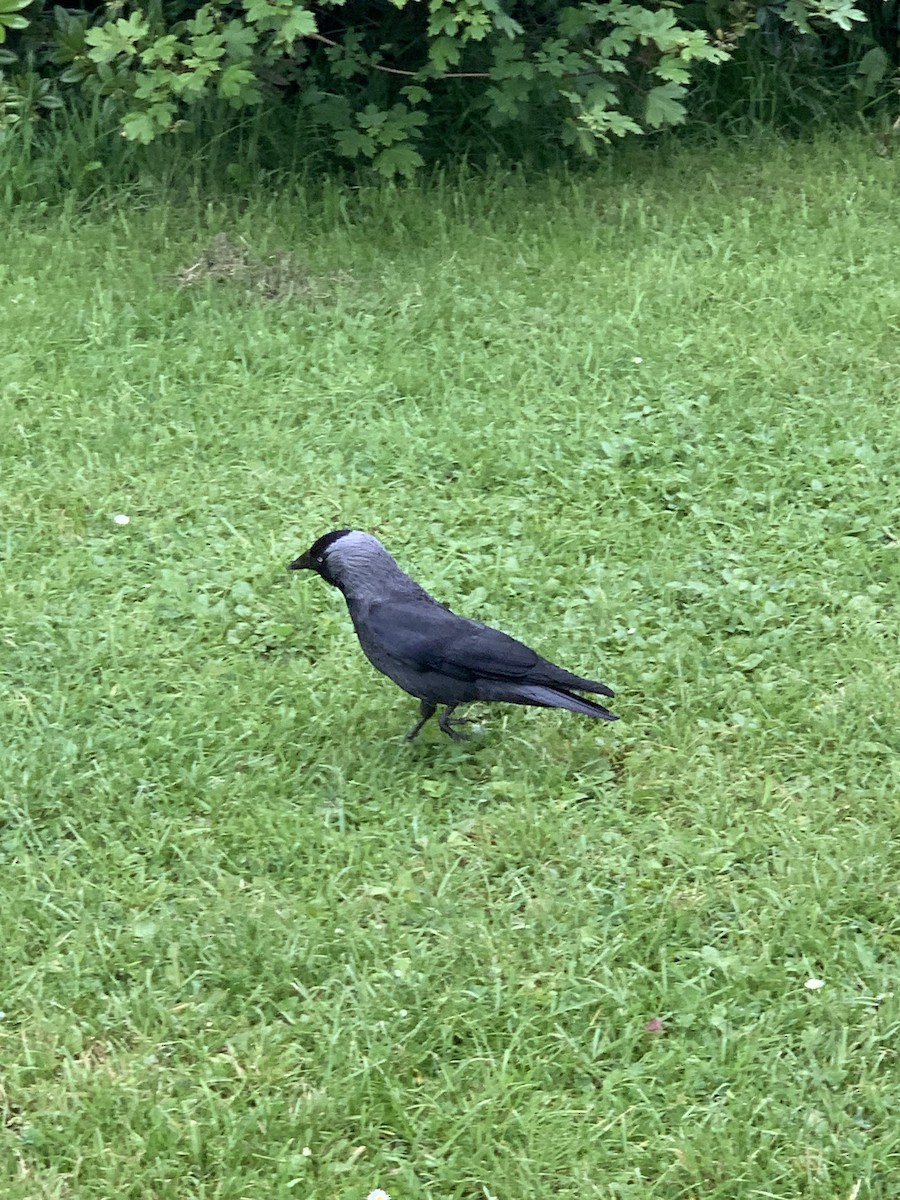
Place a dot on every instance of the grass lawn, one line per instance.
(256, 946)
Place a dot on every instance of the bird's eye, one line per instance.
(320, 558)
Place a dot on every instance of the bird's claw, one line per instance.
(448, 725)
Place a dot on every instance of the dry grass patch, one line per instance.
(276, 277)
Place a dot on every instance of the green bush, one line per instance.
(387, 91)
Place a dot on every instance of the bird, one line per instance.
(441, 659)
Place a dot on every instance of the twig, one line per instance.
(318, 37)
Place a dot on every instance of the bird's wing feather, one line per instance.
(429, 637)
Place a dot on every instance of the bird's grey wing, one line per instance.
(428, 637)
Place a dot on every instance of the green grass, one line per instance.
(240, 916)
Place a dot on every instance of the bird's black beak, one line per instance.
(303, 563)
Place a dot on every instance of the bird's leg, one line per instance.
(427, 709)
(447, 723)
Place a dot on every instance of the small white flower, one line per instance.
(637, 359)
(378, 1194)
(403, 1012)
(306, 1152)
(813, 985)
(121, 519)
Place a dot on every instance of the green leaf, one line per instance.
(139, 127)
(673, 69)
(75, 73)
(330, 110)
(149, 84)
(402, 159)
(248, 91)
(510, 63)
(796, 13)
(192, 84)
(116, 39)
(208, 46)
(840, 13)
(11, 23)
(162, 113)
(202, 23)
(239, 40)
(618, 42)
(351, 143)
(234, 81)
(503, 103)
(507, 24)
(443, 21)
(301, 23)
(444, 54)
(64, 20)
(619, 124)
(372, 117)
(657, 27)
(571, 21)
(600, 98)
(260, 12)
(163, 50)
(664, 105)
(873, 68)
(556, 59)
(415, 94)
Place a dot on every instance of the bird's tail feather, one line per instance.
(550, 697)
(580, 684)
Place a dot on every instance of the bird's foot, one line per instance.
(455, 734)
(449, 725)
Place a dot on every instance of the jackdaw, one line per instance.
(433, 654)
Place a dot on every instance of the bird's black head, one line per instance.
(316, 557)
